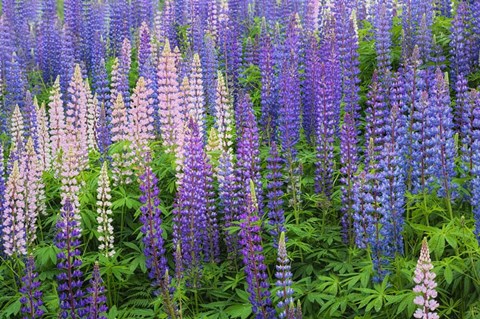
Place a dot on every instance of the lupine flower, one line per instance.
(119, 24)
(69, 279)
(349, 161)
(92, 117)
(48, 41)
(17, 132)
(44, 140)
(122, 84)
(224, 119)
(141, 120)
(276, 217)
(461, 42)
(475, 148)
(383, 42)
(67, 58)
(96, 299)
(191, 221)
(31, 294)
(34, 192)
(363, 209)
(248, 162)
(253, 258)
(121, 160)
(56, 118)
(13, 224)
(104, 211)
(210, 67)
(31, 118)
(75, 133)
(284, 277)
(440, 145)
(425, 286)
(15, 84)
(197, 111)
(168, 97)
(463, 120)
(228, 200)
(2, 190)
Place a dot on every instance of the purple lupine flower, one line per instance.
(96, 299)
(191, 219)
(420, 133)
(376, 117)
(269, 93)
(417, 18)
(196, 98)
(425, 286)
(210, 66)
(165, 23)
(248, 161)
(310, 96)
(2, 190)
(441, 146)
(48, 41)
(253, 258)
(475, 148)
(31, 294)
(103, 131)
(120, 83)
(13, 223)
(70, 280)
(468, 103)
(424, 37)
(30, 118)
(100, 82)
(73, 22)
(444, 7)
(228, 201)
(67, 58)
(284, 277)
(276, 217)
(228, 43)
(349, 166)
(347, 43)
(15, 84)
(392, 189)
(119, 25)
(383, 41)
(461, 43)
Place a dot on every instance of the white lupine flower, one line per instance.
(105, 228)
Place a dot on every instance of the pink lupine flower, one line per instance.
(56, 114)
(141, 129)
(16, 129)
(122, 160)
(34, 194)
(168, 97)
(13, 232)
(69, 178)
(104, 219)
(119, 120)
(197, 101)
(76, 118)
(92, 116)
(44, 140)
(425, 288)
(224, 119)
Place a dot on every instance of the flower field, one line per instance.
(222, 159)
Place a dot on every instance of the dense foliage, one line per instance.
(239, 159)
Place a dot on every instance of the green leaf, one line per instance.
(242, 311)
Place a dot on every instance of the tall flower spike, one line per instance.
(44, 140)
(104, 211)
(461, 42)
(475, 148)
(224, 120)
(96, 299)
(57, 120)
(17, 132)
(31, 294)
(425, 286)
(168, 97)
(253, 258)
(197, 101)
(284, 277)
(276, 217)
(2, 191)
(227, 198)
(13, 223)
(122, 159)
(92, 118)
(69, 261)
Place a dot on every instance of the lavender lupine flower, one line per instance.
(284, 277)
(363, 209)
(30, 118)
(73, 21)
(96, 299)
(191, 221)
(425, 286)
(104, 211)
(91, 117)
(171, 122)
(121, 83)
(276, 217)
(31, 294)
(349, 166)
(69, 279)
(17, 132)
(224, 118)
(461, 42)
(248, 161)
(444, 7)
(103, 131)
(44, 141)
(165, 23)
(67, 58)
(310, 96)
(2, 190)
(13, 224)
(269, 93)
(121, 160)
(100, 82)
(441, 146)
(228, 43)
(347, 43)
(475, 148)
(253, 258)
